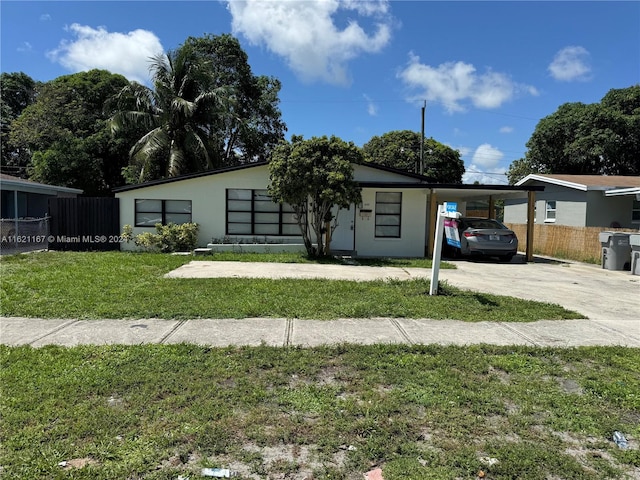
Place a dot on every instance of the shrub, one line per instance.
(168, 238)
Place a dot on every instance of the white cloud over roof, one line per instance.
(485, 167)
(306, 35)
(124, 53)
(570, 64)
(454, 84)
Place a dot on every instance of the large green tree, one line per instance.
(175, 115)
(598, 139)
(17, 91)
(253, 125)
(67, 136)
(205, 110)
(401, 149)
(314, 176)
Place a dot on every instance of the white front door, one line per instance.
(343, 237)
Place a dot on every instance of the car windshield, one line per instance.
(482, 223)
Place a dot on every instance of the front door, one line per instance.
(343, 237)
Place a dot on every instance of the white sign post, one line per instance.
(447, 210)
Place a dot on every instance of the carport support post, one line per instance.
(531, 205)
(492, 207)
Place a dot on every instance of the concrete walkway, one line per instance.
(286, 332)
(610, 300)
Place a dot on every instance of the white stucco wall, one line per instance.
(412, 226)
(208, 204)
(208, 200)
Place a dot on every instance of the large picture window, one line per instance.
(252, 212)
(388, 214)
(150, 212)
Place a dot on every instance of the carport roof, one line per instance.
(461, 190)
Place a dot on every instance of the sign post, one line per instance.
(446, 212)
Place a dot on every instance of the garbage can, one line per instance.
(616, 251)
(634, 241)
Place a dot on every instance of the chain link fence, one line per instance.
(23, 235)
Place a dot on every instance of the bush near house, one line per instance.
(167, 239)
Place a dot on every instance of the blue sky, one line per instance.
(488, 71)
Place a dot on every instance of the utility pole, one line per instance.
(424, 106)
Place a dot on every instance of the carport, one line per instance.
(464, 193)
(438, 193)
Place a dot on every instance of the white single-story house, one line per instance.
(580, 201)
(395, 219)
(22, 198)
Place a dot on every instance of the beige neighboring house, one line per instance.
(232, 205)
(580, 201)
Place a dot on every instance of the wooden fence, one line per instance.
(572, 243)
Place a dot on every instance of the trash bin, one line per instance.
(616, 251)
(634, 242)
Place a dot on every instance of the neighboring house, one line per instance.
(22, 198)
(232, 204)
(580, 201)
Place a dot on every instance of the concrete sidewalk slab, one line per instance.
(109, 332)
(225, 332)
(571, 333)
(25, 331)
(457, 332)
(364, 331)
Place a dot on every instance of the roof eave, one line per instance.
(554, 181)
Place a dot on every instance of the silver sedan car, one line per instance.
(484, 237)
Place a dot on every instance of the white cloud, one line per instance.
(124, 53)
(454, 83)
(571, 63)
(45, 17)
(372, 108)
(25, 47)
(506, 129)
(487, 156)
(484, 167)
(475, 174)
(306, 35)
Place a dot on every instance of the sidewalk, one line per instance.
(290, 332)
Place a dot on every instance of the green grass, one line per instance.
(128, 285)
(418, 412)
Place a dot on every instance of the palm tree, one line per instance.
(176, 115)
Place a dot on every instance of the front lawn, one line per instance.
(417, 412)
(130, 285)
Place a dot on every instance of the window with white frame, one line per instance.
(253, 212)
(550, 211)
(388, 214)
(148, 212)
(635, 212)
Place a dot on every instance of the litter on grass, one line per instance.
(218, 472)
(620, 440)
